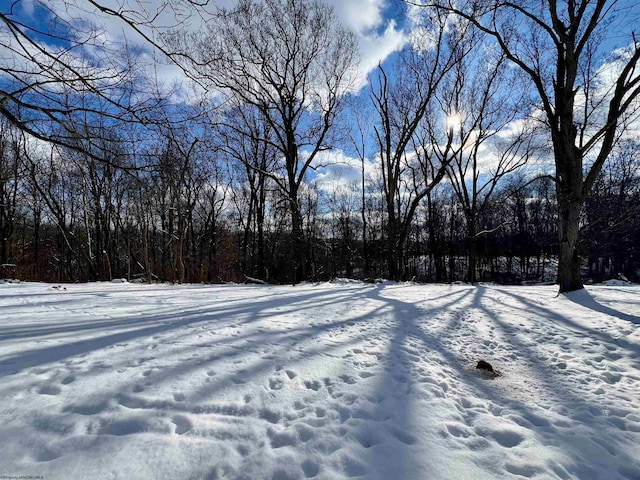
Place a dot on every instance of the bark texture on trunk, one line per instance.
(570, 196)
(568, 233)
(297, 243)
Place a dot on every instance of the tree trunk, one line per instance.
(365, 249)
(128, 259)
(147, 259)
(435, 247)
(261, 271)
(393, 257)
(247, 258)
(452, 250)
(472, 246)
(570, 198)
(179, 255)
(569, 259)
(36, 244)
(297, 242)
(3, 248)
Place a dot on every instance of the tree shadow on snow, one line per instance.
(586, 300)
(421, 364)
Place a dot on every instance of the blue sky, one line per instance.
(381, 26)
(378, 24)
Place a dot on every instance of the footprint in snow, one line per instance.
(310, 468)
(458, 430)
(49, 390)
(275, 383)
(348, 379)
(506, 437)
(182, 423)
(523, 469)
(314, 385)
(270, 416)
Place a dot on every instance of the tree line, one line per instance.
(457, 169)
(195, 214)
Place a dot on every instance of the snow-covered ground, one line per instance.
(342, 380)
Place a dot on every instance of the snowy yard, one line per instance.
(330, 381)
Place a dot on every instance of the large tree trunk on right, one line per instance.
(297, 241)
(568, 233)
(472, 247)
(260, 268)
(570, 201)
(393, 253)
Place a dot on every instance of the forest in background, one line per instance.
(197, 215)
(279, 169)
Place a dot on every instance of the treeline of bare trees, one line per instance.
(105, 174)
(197, 214)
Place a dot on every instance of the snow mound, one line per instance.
(616, 282)
(345, 281)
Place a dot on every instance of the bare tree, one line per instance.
(255, 157)
(57, 181)
(291, 61)
(359, 126)
(99, 192)
(560, 47)
(613, 214)
(403, 102)
(11, 171)
(486, 99)
(58, 67)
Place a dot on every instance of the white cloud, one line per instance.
(340, 171)
(359, 15)
(378, 37)
(375, 48)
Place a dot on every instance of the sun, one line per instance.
(454, 122)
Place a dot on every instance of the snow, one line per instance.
(329, 381)
(616, 283)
